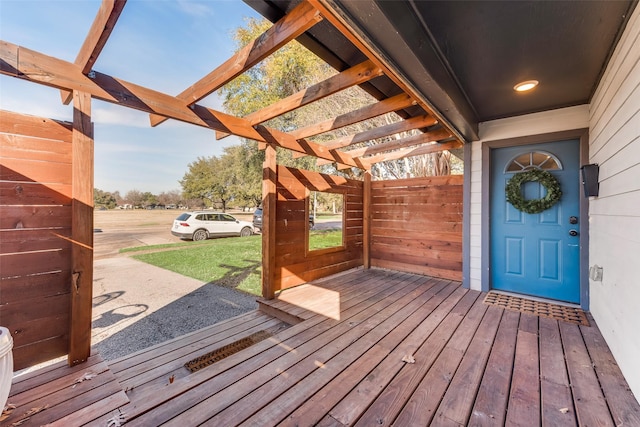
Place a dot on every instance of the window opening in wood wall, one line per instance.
(326, 223)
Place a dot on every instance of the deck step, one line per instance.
(278, 311)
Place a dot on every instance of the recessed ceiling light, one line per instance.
(525, 86)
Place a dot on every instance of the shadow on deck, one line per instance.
(369, 347)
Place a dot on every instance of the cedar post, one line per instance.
(81, 230)
(366, 221)
(269, 177)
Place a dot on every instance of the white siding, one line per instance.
(614, 131)
(475, 252)
(530, 124)
(537, 123)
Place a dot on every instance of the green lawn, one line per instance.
(234, 262)
(321, 239)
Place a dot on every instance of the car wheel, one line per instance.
(245, 232)
(199, 235)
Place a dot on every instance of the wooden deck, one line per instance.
(375, 347)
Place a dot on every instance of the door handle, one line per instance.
(573, 233)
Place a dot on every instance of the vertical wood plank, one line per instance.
(269, 222)
(366, 220)
(524, 399)
(589, 401)
(81, 230)
(625, 410)
(490, 407)
(555, 390)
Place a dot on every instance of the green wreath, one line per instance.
(533, 206)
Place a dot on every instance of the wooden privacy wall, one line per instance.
(35, 232)
(416, 225)
(293, 264)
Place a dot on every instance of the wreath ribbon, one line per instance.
(513, 191)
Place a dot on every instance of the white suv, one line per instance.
(201, 225)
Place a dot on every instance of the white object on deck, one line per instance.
(6, 365)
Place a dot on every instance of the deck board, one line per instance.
(313, 405)
(422, 403)
(490, 407)
(588, 398)
(524, 398)
(61, 398)
(555, 390)
(337, 353)
(457, 402)
(624, 408)
(474, 365)
(406, 378)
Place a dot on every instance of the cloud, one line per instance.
(117, 115)
(195, 9)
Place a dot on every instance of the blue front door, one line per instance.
(536, 254)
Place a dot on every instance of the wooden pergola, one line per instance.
(79, 82)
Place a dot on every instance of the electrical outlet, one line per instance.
(595, 273)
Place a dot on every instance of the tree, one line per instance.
(209, 179)
(197, 182)
(118, 197)
(149, 199)
(173, 197)
(104, 199)
(134, 198)
(245, 163)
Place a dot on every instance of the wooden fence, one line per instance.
(416, 225)
(35, 235)
(294, 264)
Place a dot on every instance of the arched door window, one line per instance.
(533, 160)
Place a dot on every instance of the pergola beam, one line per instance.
(96, 39)
(416, 151)
(33, 66)
(388, 105)
(355, 75)
(296, 22)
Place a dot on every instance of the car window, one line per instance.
(183, 217)
(201, 217)
(225, 217)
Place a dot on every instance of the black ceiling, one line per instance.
(465, 57)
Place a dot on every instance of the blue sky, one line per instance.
(161, 44)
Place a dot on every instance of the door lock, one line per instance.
(573, 220)
(573, 233)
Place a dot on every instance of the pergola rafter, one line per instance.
(95, 41)
(355, 75)
(299, 20)
(388, 105)
(433, 147)
(379, 132)
(413, 140)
